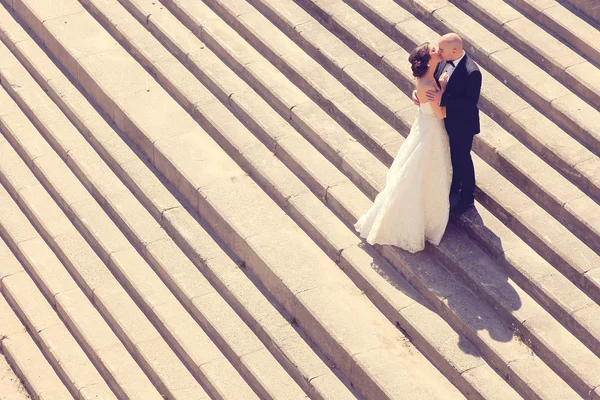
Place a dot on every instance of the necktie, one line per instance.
(451, 63)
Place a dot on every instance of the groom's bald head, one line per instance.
(451, 46)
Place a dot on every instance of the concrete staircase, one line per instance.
(179, 180)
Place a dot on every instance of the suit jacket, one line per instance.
(461, 97)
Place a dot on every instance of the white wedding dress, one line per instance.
(414, 205)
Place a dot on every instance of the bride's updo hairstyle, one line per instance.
(419, 60)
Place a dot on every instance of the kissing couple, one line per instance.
(433, 167)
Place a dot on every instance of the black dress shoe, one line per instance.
(461, 207)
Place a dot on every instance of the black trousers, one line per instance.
(463, 172)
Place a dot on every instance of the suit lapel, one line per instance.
(458, 73)
(439, 69)
(438, 72)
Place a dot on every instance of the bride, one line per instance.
(414, 205)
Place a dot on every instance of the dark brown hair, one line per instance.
(419, 60)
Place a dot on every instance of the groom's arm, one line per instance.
(471, 96)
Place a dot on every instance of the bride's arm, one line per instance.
(440, 112)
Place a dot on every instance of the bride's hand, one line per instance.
(444, 80)
(434, 95)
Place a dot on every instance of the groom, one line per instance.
(462, 115)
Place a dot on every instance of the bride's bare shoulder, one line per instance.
(422, 87)
(425, 84)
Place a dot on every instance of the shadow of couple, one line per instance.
(461, 282)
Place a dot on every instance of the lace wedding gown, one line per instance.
(414, 206)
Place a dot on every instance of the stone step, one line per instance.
(365, 174)
(301, 289)
(565, 24)
(311, 373)
(549, 53)
(306, 209)
(22, 354)
(173, 321)
(59, 346)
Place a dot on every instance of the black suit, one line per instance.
(462, 122)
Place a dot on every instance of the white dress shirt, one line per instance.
(450, 69)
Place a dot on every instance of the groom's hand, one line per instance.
(434, 96)
(415, 99)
